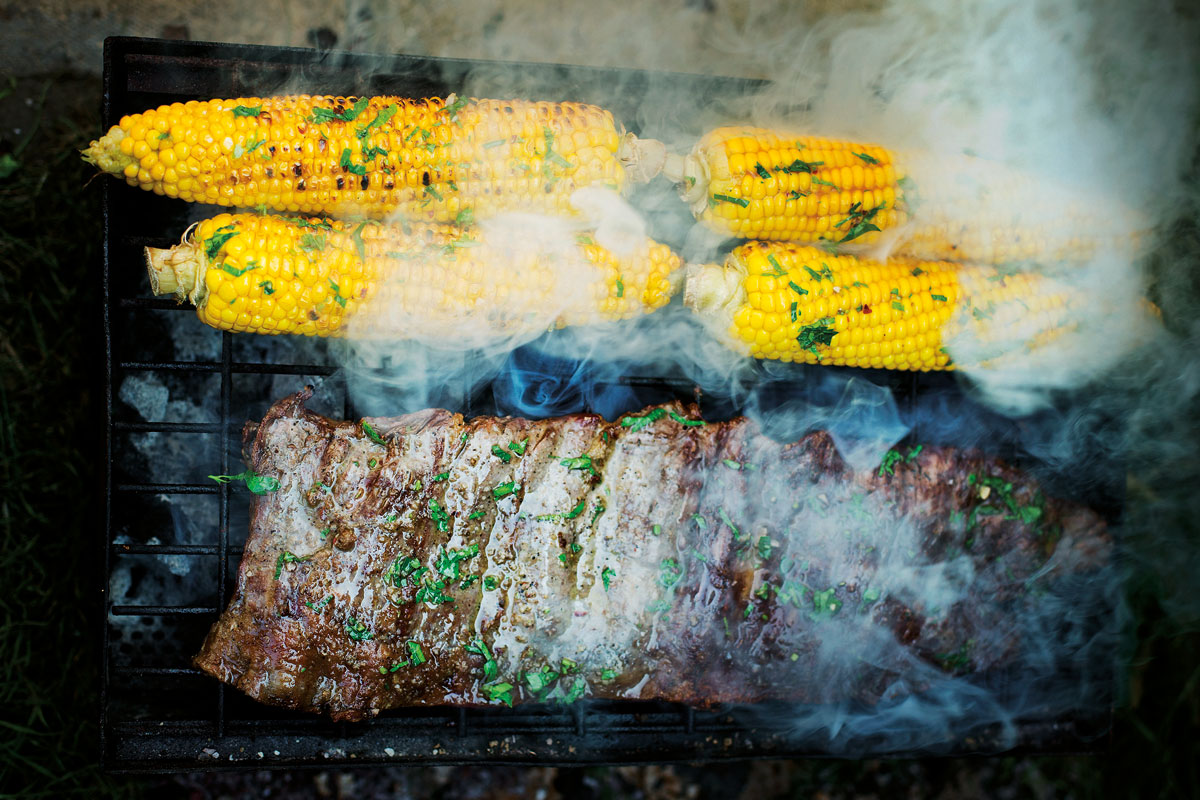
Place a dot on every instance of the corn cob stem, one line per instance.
(266, 274)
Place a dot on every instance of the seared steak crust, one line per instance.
(430, 560)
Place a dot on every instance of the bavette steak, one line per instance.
(431, 560)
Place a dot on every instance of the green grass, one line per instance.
(51, 503)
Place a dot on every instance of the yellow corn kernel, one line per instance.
(842, 310)
(437, 160)
(369, 280)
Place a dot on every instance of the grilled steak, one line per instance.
(430, 560)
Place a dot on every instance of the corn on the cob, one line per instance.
(761, 184)
(790, 302)
(432, 159)
(269, 274)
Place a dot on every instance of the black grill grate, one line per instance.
(158, 713)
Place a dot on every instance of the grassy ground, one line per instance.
(50, 521)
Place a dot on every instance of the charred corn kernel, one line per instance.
(848, 311)
(321, 277)
(434, 159)
(756, 183)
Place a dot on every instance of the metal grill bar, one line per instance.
(169, 427)
(239, 367)
(160, 611)
(168, 549)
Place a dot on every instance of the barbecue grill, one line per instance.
(177, 394)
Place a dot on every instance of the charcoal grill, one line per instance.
(172, 538)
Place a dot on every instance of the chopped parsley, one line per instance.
(818, 333)
(606, 575)
(247, 111)
(385, 114)
(257, 484)
(501, 454)
(214, 243)
(620, 287)
(341, 301)
(287, 557)
(684, 421)
(477, 514)
(938, 297)
(441, 476)
(860, 221)
(349, 115)
(505, 489)
(449, 562)
(583, 462)
(312, 242)
(320, 605)
(737, 201)
(867, 158)
(453, 108)
(733, 465)
(637, 423)
(669, 573)
(572, 514)
(372, 434)
(267, 287)
(519, 448)
(440, 518)
(490, 582)
(477, 647)
(357, 631)
(237, 273)
(800, 166)
(349, 166)
(764, 547)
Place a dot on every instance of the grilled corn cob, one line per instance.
(432, 159)
(320, 277)
(760, 184)
(791, 302)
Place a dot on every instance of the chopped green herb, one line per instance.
(867, 158)
(519, 447)
(453, 108)
(325, 532)
(449, 562)
(214, 243)
(684, 421)
(312, 242)
(897, 305)
(320, 605)
(465, 217)
(237, 273)
(552, 156)
(432, 592)
(440, 517)
(600, 509)
(820, 182)
(797, 288)
(656, 529)
(372, 434)
(415, 653)
(818, 333)
(257, 484)
(938, 297)
(583, 462)
(890, 459)
(606, 575)
(385, 114)
(493, 143)
(637, 423)
(620, 287)
(700, 521)
(572, 514)
(432, 192)
(267, 287)
(825, 604)
(346, 164)
(501, 454)
(800, 166)
(417, 485)
(737, 534)
(357, 631)
(505, 489)
(441, 476)
(737, 201)
(764, 547)
(247, 111)
(733, 465)
(501, 692)
(669, 573)
(490, 582)
(287, 557)
(341, 301)
(777, 270)
(608, 674)
(477, 514)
